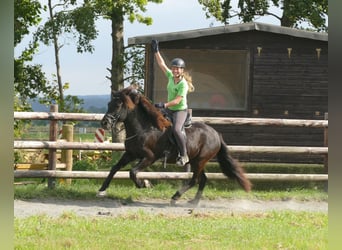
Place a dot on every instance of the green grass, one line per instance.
(198, 230)
(272, 230)
(42, 133)
(124, 189)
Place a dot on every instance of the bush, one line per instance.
(85, 165)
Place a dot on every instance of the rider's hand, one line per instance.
(155, 46)
(160, 105)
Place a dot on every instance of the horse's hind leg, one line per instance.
(185, 188)
(187, 167)
(201, 185)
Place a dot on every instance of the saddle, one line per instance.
(187, 124)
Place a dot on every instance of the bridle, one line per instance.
(113, 118)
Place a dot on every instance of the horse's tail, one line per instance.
(232, 168)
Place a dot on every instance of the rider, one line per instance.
(179, 84)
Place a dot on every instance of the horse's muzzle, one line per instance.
(105, 123)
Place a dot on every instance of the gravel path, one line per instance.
(110, 207)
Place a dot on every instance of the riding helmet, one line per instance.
(178, 62)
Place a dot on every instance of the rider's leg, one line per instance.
(178, 122)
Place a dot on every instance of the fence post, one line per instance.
(52, 152)
(326, 145)
(68, 135)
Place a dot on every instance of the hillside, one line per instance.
(92, 104)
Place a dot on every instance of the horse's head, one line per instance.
(124, 102)
(121, 103)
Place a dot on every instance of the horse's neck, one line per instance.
(136, 125)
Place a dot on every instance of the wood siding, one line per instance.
(281, 86)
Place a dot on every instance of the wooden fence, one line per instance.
(54, 116)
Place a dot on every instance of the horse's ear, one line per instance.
(135, 97)
(134, 93)
(156, 116)
(135, 87)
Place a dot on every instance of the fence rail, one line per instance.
(207, 120)
(160, 175)
(53, 145)
(121, 147)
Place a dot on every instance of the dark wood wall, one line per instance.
(281, 86)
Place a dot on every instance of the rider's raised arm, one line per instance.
(159, 58)
(161, 62)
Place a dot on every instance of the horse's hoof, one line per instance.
(194, 202)
(101, 194)
(147, 184)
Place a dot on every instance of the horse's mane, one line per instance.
(156, 117)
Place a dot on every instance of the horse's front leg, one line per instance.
(124, 160)
(134, 171)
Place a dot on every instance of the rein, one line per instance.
(115, 118)
(131, 137)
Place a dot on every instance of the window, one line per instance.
(220, 78)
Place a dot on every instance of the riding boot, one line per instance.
(182, 160)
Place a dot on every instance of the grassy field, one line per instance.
(274, 230)
(268, 230)
(141, 230)
(122, 189)
(42, 133)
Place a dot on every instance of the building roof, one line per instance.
(227, 29)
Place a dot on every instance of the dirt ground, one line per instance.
(108, 207)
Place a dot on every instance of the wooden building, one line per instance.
(249, 70)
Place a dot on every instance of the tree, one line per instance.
(66, 17)
(29, 80)
(116, 11)
(134, 70)
(294, 12)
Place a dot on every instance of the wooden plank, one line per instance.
(68, 145)
(36, 166)
(278, 149)
(25, 182)
(262, 121)
(208, 120)
(160, 175)
(58, 116)
(120, 146)
(53, 151)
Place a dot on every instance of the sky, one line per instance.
(86, 73)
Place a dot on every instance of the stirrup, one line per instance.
(166, 155)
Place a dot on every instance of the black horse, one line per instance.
(148, 138)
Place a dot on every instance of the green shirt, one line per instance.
(174, 90)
